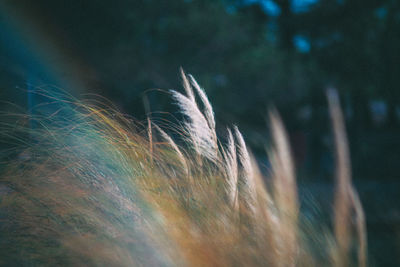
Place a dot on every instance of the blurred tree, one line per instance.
(134, 46)
(244, 54)
(356, 43)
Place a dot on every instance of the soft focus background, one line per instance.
(248, 55)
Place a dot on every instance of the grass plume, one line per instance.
(92, 187)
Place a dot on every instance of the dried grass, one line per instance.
(96, 192)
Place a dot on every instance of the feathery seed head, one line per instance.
(92, 190)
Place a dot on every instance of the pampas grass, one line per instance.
(88, 187)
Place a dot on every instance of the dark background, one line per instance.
(248, 55)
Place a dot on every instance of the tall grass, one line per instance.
(89, 186)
